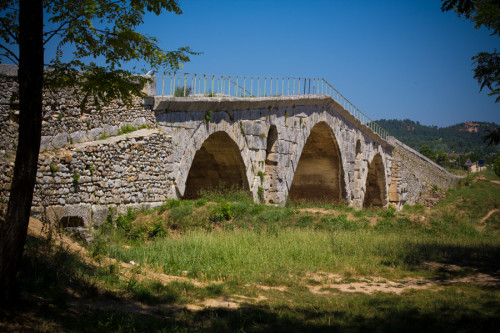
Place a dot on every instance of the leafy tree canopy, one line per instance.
(483, 13)
(100, 36)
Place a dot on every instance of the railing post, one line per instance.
(163, 85)
(173, 91)
(194, 85)
(185, 84)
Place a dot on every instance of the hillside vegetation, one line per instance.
(463, 137)
(224, 263)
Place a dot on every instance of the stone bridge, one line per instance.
(302, 148)
(277, 148)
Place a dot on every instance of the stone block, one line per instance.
(79, 213)
(393, 196)
(111, 129)
(139, 122)
(95, 133)
(46, 143)
(80, 136)
(60, 140)
(100, 214)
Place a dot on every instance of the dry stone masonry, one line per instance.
(277, 148)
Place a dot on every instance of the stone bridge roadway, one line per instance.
(299, 147)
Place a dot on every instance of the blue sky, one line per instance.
(392, 59)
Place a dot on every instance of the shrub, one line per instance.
(127, 128)
(496, 166)
(124, 222)
(221, 212)
(76, 178)
(179, 91)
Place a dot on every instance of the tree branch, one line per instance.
(11, 34)
(16, 59)
(54, 32)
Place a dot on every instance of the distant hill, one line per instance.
(464, 137)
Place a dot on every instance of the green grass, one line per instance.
(224, 235)
(233, 245)
(127, 128)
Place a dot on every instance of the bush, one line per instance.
(127, 128)
(221, 212)
(179, 91)
(124, 222)
(496, 166)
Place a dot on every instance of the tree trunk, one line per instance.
(14, 228)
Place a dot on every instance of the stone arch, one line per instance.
(271, 170)
(376, 193)
(319, 174)
(71, 221)
(218, 163)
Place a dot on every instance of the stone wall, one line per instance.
(87, 179)
(64, 121)
(413, 174)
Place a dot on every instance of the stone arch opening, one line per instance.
(217, 164)
(375, 194)
(271, 170)
(71, 222)
(319, 175)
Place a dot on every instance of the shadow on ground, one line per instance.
(59, 295)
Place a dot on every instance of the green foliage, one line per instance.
(428, 152)
(147, 229)
(127, 128)
(76, 178)
(221, 212)
(456, 138)
(53, 168)
(124, 222)
(103, 136)
(493, 136)
(482, 13)
(91, 169)
(208, 115)
(387, 213)
(180, 92)
(179, 213)
(260, 193)
(92, 30)
(261, 176)
(496, 166)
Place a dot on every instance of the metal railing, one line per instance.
(209, 85)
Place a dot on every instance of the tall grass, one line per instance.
(283, 256)
(227, 236)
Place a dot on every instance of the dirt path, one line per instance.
(487, 216)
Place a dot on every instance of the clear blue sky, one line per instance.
(392, 59)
